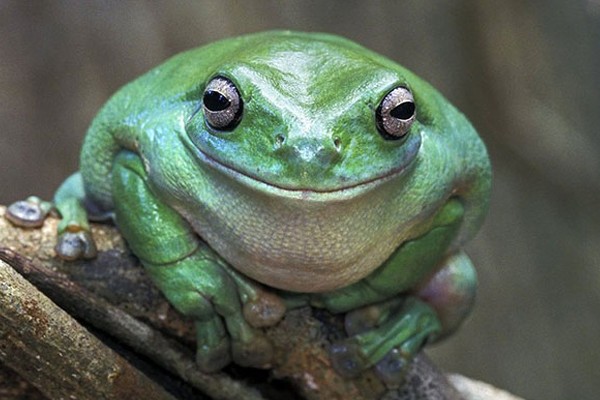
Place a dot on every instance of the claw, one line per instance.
(76, 245)
(29, 213)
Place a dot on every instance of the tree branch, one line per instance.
(56, 354)
(130, 331)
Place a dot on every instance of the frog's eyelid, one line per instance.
(197, 109)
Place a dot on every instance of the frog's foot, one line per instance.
(264, 309)
(249, 345)
(232, 334)
(392, 368)
(261, 308)
(212, 352)
(75, 243)
(75, 239)
(385, 335)
(30, 213)
(205, 288)
(222, 333)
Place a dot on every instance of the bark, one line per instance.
(56, 354)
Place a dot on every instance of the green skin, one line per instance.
(303, 203)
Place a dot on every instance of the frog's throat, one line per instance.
(338, 193)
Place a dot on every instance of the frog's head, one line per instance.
(310, 149)
(309, 114)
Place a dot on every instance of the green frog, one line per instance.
(281, 169)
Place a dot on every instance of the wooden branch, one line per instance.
(113, 294)
(132, 332)
(56, 354)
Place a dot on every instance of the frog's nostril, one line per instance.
(337, 143)
(305, 150)
(279, 140)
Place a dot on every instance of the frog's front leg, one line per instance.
(195, 280)
(398, 328)
(386, 335)
(396, 323)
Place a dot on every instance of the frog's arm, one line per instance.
(194, 279)
(388, 333)
(74, 236)
(410, 264)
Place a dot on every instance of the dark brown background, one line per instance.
(527, 73)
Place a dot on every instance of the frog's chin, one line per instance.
(334, 193)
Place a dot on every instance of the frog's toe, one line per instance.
(257, 353)
(264, 311)
(392, 368)
(214, 357)
(76, 245)
(406, 324)
(347, 358)
(29, 213)
(363, 319)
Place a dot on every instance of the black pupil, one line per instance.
(215, 101)
(404, 110)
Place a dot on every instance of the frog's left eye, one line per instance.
(396, 113)
(222, 104)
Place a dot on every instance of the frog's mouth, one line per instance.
(323, 194)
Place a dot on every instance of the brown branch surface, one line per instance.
(113, 294)
(56, 354)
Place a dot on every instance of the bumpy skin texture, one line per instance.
(304, 198)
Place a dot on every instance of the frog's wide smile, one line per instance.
(338, 192)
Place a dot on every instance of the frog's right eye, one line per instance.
(396, 113)
(222, 104)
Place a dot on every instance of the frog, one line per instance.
(281, 169)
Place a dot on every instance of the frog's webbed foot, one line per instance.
(387, 336)
(227, 308)
(75, 245)
(74, 237)
(30, 213)
(242, 307)
(223, 335)
(260, 309)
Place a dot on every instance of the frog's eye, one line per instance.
(222, 104)
(396, 113)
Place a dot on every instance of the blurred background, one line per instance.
(527, 73)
